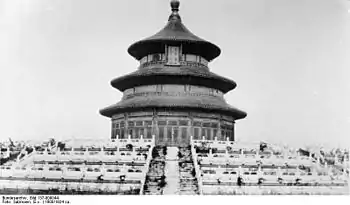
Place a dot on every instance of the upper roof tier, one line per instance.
(174, 32)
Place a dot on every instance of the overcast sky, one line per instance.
(290, 59)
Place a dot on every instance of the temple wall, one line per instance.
(172, 90)
(173, 127)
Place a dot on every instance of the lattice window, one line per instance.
(183, 123)
(214, 125)
(161, 123)
(161, 133)
(196, 133)
(122, 136)
(172, 123)
(142, 132)
(206, 124)
(148, 123)
(223, 126)
(223, 136)
(184, 133)
(131, 124)
(149, 133)
(209, 134)
(203, 133)
(197, 124)
(214, 133)
(117, 132)
(139, 123)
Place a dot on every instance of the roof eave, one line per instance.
(113, 110)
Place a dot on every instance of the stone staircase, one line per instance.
(187, 175)
(171, 172)
(155, 178)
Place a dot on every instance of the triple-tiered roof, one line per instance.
(174, 34)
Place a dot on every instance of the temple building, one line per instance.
(173, 95)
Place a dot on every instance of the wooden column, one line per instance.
(126, 131)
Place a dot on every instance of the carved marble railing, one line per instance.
(196, 167)
(148, 161)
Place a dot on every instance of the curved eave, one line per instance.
(148, 46)
(174, 75)
(174, 32)
(172, 103)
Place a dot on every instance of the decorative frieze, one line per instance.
(171, 90)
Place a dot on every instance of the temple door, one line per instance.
(176, 139)
(169, 137)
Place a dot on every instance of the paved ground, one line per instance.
(172, 171)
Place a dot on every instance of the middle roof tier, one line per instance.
(165, 74)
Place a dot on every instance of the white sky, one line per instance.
(288, 57)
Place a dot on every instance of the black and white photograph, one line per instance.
(173, 97)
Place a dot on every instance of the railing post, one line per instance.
(102, 150)
(117, 139)
(117, 153)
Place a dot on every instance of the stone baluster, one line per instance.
(226, 154)
(279, 172)
(124, 169)
(239, 170)
(117, 140)
(117, 152)
(86, 152)
(102, 150)
(310, 156)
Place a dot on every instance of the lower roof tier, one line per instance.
(160, 74)
(207, 104)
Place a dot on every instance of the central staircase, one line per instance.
(171, 172)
